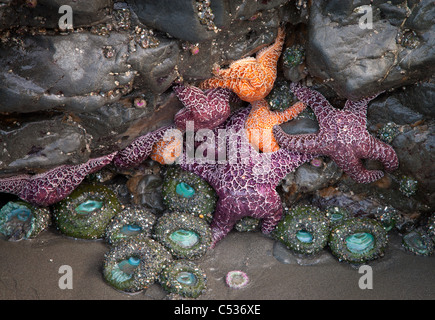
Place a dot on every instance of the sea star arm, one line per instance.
(360, 107)
(307, 143)
(52, 186)
(268, 56)
(261, 120)
(382, 152)
(353, 166)
(139, 149)
(283, 162)
(219, 107)
(245, 73)
(13, 185)
(192, 98)
(317, 102)
(280, 117)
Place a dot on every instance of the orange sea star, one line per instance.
(167, 152)
(260, 122)
(204, 109)
(250, 78)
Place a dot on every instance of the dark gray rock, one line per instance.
(240, 39)
(181, 19)
(68, 72)
(80, 72)
(248, 10)
(39, 144)
(156, 67)
(415, 150)
(390, 109)
(312, 176)
(359, 62)
(201, 20)
(46, 13)
(419, 97)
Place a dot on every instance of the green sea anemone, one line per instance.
(183, 235)
(418, 242)
(358, 240)
(304, 230)
(86, 212)
(20, 220)
(184, 278)
(134, 264)
(184, 191)
(130, 223)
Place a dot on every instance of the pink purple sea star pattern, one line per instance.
(54, 185)
(342, 135)
(245, 182)
(206, 109)
(137, 151)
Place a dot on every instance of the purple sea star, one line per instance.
(245, 182)
(206, 109)
(54, 185)
(342, 135)
(137, 151)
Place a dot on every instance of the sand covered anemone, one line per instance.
(293, 56)
(304, 230)
(135, 264)
(418, 242)
(336, 215)
(236, 279)
(86, 212)
(131, 222)
(186, 192)
(387, 216)
(388, 132)
(248, 224)
(20, 220)
(185, 236)
(184, 278)
(358, 240)
(281, 97)
(408, 186)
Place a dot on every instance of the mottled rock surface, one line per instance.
(359, 60)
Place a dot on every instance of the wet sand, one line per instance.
(29, 269)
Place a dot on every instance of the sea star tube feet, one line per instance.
(342, 135)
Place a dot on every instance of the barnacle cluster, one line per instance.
(205, 14)
(408, 186)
